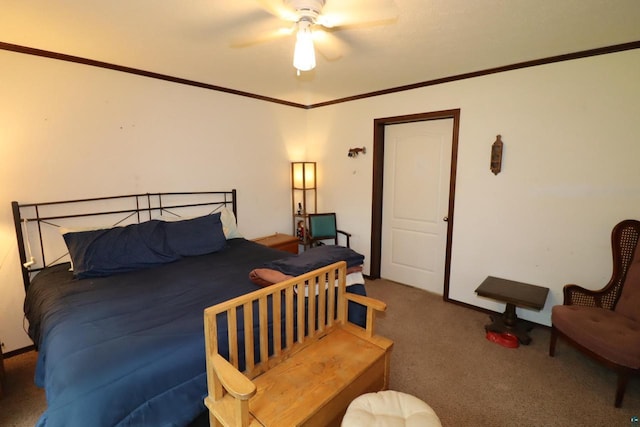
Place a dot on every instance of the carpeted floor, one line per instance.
(441, 356)
(22, 402)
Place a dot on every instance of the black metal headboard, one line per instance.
(38, 225)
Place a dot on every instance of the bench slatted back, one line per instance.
(311, 319)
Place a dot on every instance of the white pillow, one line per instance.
(229, 226)
(65, 230)
(228, 219)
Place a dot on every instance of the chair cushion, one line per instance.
(607, 333)
(389, 409)
(629, 302)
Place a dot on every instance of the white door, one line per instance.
(417, 163)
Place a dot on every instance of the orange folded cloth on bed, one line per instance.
(356, 269)
(264, 277)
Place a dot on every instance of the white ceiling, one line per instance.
(429, 39)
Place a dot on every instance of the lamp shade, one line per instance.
(303, 175)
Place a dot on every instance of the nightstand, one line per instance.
(284, 242)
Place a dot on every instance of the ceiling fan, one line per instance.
(315, 21)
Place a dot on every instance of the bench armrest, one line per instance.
(373, 306)
(229, 394)
(367, 301)
(232, 380)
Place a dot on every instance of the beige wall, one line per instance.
(70, 131)
(570, 170)
(569, 173)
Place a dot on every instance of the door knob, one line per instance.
(445, 219)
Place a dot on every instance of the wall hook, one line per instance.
(353, 152)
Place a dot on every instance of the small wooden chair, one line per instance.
(605, 324)
(323, 226)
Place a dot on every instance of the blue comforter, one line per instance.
(128, 349)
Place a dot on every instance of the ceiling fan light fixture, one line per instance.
(304, 55)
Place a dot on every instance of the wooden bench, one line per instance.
(311, 376)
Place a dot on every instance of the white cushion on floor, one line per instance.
(389, 409)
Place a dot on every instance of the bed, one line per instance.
(120, 336)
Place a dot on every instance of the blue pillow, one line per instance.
(119, 249)
(116, 250)
(197, 236)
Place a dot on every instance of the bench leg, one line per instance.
(213, 421)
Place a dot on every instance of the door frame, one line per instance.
(378, 180)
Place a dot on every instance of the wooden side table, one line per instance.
(284, 242)
(514, 294)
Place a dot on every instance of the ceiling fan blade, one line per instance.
(261, 37)
(358, 13)
(277, 8)
(329, 45)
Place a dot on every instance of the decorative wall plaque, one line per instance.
(496, 155)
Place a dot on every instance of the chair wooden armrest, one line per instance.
(346, 235)
(577, 295)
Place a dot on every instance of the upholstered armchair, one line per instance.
(605, 324)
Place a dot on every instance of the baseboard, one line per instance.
(490, 312)
(18, 351)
